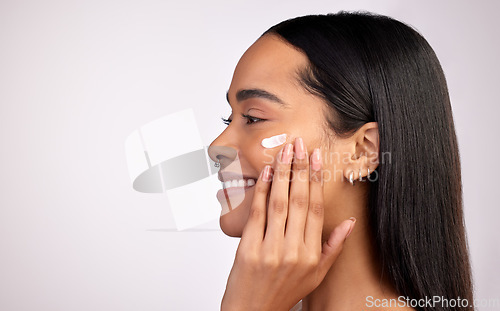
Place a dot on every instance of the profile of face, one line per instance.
(267, 99)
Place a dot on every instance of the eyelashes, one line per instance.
(250, 119)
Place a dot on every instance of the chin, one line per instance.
(232, 223)
(230, 229)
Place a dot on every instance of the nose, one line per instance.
(222, 154)
(222, 151)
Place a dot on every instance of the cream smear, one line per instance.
(273, 141)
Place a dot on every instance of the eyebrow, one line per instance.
(242, 95)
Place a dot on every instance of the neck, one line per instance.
(356, 274)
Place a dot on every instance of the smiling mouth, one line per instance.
(233, 191)
(238, 183)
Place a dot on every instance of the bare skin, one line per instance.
(346, 279)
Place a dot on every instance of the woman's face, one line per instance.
(266, 100)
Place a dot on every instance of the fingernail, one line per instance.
(299, 148)
(286, 157)
(266, 173)
(316, 160)
(351, 227)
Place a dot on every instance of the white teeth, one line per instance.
(240, 183)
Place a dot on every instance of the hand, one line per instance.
(280, 258)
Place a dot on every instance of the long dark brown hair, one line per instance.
(372, 68)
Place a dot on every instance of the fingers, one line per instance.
(299, 194)
(278, 199)
(315, 214)
(254, 229)
(333, 247)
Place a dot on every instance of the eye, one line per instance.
(251, 120)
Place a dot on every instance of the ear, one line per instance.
(366, 152)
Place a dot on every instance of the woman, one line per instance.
(362, 104)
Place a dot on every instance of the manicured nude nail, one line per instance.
(286, 157)
(266, 173)
(316, 160)
(351, 227)
(300, 152)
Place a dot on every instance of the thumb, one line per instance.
(333, 247)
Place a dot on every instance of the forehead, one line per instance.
(269, 63)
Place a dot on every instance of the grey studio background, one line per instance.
(77, 77)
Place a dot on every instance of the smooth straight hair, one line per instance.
(372, 68)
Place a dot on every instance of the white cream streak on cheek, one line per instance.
(273, 141)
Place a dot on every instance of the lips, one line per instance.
(230, 176)
(233, 184)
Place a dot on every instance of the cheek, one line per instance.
(254, 158)
(257, 156)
